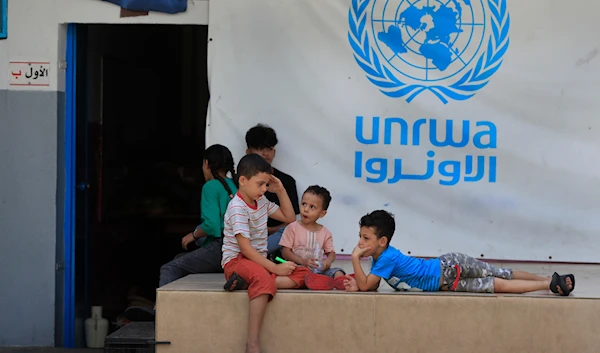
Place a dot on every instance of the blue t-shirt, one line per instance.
(406, 272)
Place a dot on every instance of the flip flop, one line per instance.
(561, 281)
(235, 282)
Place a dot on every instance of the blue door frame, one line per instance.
(3, 19)
(69, 206)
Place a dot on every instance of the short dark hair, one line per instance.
(382, 222)
(261, 136)
(253, 164)
(322, 193)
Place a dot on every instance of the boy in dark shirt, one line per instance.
(262, 139)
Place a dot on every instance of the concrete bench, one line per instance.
(196, 315)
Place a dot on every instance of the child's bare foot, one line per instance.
(339, 281)
(252, 347)
(350, 284)
(569, 285)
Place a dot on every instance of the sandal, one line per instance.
(561, 282)
(235, 282)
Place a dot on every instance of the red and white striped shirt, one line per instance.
(250, 222)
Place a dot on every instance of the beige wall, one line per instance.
(339, 322)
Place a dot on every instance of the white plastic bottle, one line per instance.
(318, 254)
(96, 329)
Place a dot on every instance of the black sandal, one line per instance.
(561, 282)
(235, 282)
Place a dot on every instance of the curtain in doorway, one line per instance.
(166, 6)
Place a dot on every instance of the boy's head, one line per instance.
(254, 173)
(261, 140)
(376, 231)
(314, 204)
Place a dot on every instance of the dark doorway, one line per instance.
(142, 96)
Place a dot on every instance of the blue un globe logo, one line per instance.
(428, 40)
(450, 48)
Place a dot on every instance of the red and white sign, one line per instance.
(25, 73)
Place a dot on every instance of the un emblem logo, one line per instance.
(450, 48)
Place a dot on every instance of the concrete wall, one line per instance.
(299, 321)
(28, 215)
(31, 149)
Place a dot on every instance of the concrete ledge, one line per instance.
(196, 315)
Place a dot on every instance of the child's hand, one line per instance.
(285, 269)
(275, 185)
(350, 284)
(188, 239)
(358, 252)
(311, 263)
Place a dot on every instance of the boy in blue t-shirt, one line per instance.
(452, 271)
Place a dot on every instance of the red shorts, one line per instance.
(259, 280)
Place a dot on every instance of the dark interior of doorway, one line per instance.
(141, 113)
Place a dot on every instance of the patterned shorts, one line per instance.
(475, 276)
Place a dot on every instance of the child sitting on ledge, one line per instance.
(245, 242)
(304, 241)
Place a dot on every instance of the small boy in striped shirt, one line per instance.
(245, 242)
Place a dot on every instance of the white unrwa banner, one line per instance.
(474, 121)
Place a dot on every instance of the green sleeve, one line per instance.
(210, 213)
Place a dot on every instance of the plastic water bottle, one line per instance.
(96, 328)
(318, 254)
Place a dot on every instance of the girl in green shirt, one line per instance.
(216, 194)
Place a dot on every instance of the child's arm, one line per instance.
(199, 233)
(364, 282)
(192, 237)
(293, 195)
(210, 215)
(329, 250)
(274, 229)
(329, 260)
(285, 213)
(284, 269)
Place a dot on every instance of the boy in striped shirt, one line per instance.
(245, 242)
